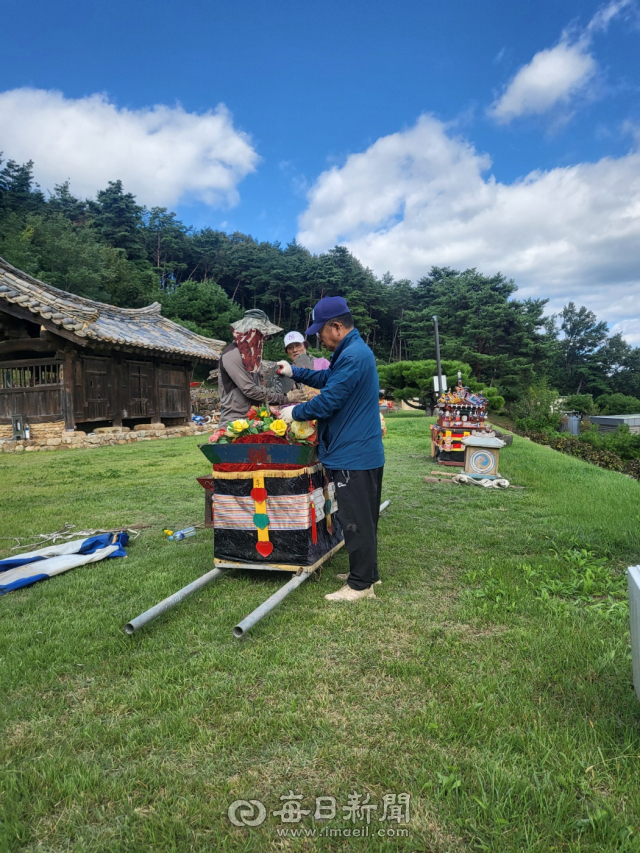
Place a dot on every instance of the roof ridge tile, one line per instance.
(135, 327)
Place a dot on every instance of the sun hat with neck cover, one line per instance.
(257, 320)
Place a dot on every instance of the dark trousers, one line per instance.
(358, 494)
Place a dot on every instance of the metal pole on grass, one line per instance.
(172, 601)
(249, 621)
(260, 612)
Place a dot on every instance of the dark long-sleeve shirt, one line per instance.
(347, 410)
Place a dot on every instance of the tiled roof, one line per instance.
(144, 328)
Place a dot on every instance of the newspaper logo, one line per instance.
(247, 813)
(359, 809)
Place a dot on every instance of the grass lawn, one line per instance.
(490, 679)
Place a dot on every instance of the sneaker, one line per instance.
(348, 594)
(345, 576)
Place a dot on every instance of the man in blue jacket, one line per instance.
(349, 437)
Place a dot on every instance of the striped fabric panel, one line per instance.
(286, 512)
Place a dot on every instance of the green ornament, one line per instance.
(261, 520)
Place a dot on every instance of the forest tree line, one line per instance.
(112, 249)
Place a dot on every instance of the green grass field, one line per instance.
(490, 680)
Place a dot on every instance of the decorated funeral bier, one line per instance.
(269, 499)
(461, 414)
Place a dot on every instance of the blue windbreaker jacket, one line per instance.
(347, 410)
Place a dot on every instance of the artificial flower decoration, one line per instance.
(261, 421)
(279, 427)
(302, 430)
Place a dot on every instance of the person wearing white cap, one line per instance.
(295, 345)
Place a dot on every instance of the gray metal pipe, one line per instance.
(438, 363)
(249, 621)
(172, 601)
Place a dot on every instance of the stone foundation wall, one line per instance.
(39, 432)
(51, 429)
(106, 435)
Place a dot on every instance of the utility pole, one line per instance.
(435, 329)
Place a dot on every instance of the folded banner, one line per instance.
(25, 569)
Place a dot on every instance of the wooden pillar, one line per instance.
(67, 390)
(117, 389)
(188, 375)
(155, 391)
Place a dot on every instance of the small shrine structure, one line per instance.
(460, 414)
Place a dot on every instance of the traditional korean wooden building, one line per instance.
(78, 363)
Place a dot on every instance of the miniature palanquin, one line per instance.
(460, 414)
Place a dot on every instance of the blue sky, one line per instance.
(501, 135)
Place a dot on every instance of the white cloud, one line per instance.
(629, 329)
(555, 75)
(422, 197)
(162, 154)
(606, 14)
(551, 77)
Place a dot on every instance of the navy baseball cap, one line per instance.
(327, 309)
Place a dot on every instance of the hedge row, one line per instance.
(582, 450)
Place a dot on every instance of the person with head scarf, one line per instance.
(238, 369)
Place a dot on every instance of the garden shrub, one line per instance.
(593, 450)
(583, 450)
(618, 404)
(534, 411)
(622, 442)
(632, 468)
(538, 436)
(581, 403)
(495, 403)
(542, 423)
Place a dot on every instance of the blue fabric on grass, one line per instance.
(26, 569)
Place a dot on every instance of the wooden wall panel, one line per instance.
(140, 376)
(174, 391)
(96, 384)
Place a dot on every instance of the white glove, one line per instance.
(286, 414)
(284, 368)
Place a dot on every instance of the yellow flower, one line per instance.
(279, 427)
(240, 426)
(302, 429)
